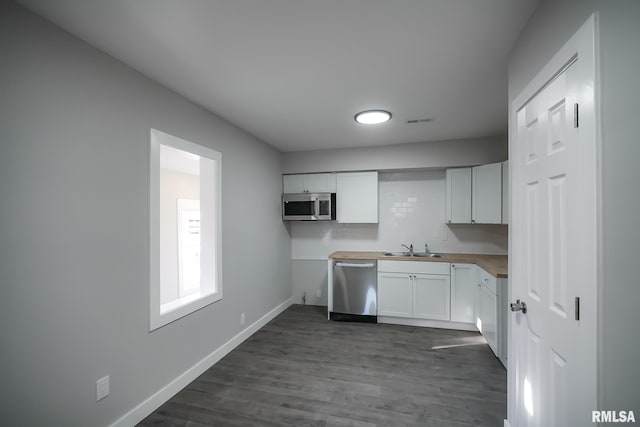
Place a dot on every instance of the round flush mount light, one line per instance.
(372, 117)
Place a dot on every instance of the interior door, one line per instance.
(554, 251)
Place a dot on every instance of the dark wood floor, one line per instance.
(303, 370)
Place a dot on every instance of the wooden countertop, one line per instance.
(496, 265)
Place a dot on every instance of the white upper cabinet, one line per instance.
(357, 197)
(459, 196)
(309, 183)
(505, 192)
(486, 194)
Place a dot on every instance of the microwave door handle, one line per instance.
(316, 207)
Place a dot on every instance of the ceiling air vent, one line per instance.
(419, 120)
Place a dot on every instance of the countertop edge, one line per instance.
(496, 265)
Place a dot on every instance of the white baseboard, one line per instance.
(145, 408)
(506, 423)
(444, 324)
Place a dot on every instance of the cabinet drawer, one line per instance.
(488, 280)
(414, 267)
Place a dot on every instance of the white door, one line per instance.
(554, 244)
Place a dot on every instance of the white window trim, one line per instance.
(193, 302)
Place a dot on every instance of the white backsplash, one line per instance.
(412, 210)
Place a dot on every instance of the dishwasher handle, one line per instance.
(347, 264)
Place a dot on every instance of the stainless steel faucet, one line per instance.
(410, 247)
(426, 248)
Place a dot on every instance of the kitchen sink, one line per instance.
(415, 254)
(428, 255)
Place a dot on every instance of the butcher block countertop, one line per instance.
(496, 265)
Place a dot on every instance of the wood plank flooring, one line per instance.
(303, 370)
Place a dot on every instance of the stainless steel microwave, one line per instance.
(309, 207)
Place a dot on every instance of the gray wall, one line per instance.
(308, 277)
(550, 27)
(437, 154)
(74, 178)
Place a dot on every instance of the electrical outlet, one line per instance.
(102, 388)
(318, 293)
(242, 319)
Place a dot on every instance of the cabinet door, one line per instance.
(464, 278)
(458, 195)
(431, 297)
(292, 184)
(320, 183)
(505, 192)
(486, 200)
(487, 321)
(395, 295)
(357, 197)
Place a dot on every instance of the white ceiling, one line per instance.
(294, 72)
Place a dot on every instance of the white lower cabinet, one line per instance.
(395, 294)
(487, 318)
(492, 312)
(464, 278)
(444, 295)
(431, 297)
(418, 290)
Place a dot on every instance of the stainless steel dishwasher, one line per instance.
(355, 290)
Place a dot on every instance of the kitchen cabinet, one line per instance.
(486, 194)
(432, 297)
(357, 197)
(492, 312)
(505, 192)
(486, 318)
(417, 290)
(395, 294)
(464, 280)
(309, 183)
(458, 195)
(474, 195)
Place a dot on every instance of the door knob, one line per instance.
(519, 306)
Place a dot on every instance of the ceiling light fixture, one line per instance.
(372, 117)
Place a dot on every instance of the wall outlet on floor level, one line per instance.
(102, 388)
(318, 293)
(242, 319)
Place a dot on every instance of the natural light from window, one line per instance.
(185, 198)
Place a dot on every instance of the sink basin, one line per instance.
(428, 255)
(396, 253)
(416, 254)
